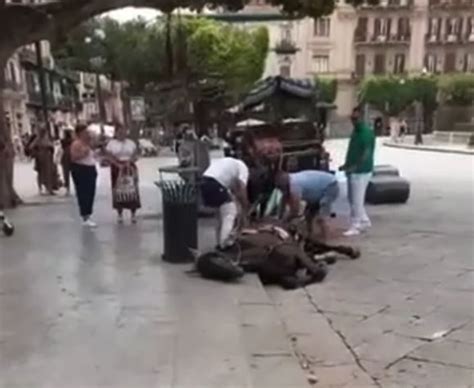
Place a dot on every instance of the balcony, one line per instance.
(286, 47)
(451, 4)
(390, 5)
(383, 39)
(450, 39)
(360, 37)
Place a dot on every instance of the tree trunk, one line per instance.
(169, 45)
(8, 195)
(419, 118)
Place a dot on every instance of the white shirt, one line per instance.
(227, 171)
(122, 150)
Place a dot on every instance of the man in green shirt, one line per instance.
(358, 167)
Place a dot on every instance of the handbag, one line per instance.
(125, 188)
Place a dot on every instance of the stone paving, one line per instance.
(403, 315)
(99, 309)
(87, 309)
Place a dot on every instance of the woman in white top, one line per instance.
(122, 153)
(84, 173)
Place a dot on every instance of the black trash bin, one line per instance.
(180, 221)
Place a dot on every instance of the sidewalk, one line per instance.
(90, 309)
(82, 309)
(408, 144)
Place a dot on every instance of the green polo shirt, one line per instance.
(362, 140)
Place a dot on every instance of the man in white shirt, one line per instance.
(224, 186)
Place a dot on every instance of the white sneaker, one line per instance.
(351, 232)
(89, 224)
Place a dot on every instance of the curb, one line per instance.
(430, 149)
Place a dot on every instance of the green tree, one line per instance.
(328, 89)
(392, 95)
(457, 89)
(388, 94)
(136, 51)
(132, 51)
(237, 55)
(425, 90)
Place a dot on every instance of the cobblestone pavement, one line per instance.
(403, 315)
(82, 310)
(100, 309)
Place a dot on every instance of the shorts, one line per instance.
(324, 205)
(214, 194)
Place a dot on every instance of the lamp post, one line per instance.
(97, 64)
(42, 84)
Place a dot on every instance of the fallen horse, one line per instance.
(278, 255)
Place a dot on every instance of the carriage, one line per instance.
(280, 126)
(280, 121)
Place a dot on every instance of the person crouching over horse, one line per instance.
(318, 189)
(224, 187)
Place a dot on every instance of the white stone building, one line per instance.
(395, 37)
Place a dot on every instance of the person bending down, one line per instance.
(224, 187)
(318, 189)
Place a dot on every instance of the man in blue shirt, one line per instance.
(318, 189)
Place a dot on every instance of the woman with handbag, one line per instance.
(122, 154)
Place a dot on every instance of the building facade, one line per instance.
(394, 37)
(15, 98)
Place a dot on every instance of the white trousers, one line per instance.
(226, 216)
(356, 189)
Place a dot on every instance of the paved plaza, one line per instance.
(85, 309)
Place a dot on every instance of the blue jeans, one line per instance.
(84, 178)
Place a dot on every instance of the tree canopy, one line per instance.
(391, 95)
(21, 24)
(328, 89)
(135, 51)
(457, 89)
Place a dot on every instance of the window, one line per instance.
(322, 27)
(321, 63)
(379, 64)
(286, 32)
(377, 27)
(360, 65)
(13, 76)
(403, 29)
(434, 29)
(382, 27)
(399, 64)
(450, 62)
(470, 26)
(469, 63)
(454, 27)
(285, 71)
(431, 63)
(361, 29)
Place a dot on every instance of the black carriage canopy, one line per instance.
(304, 89)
